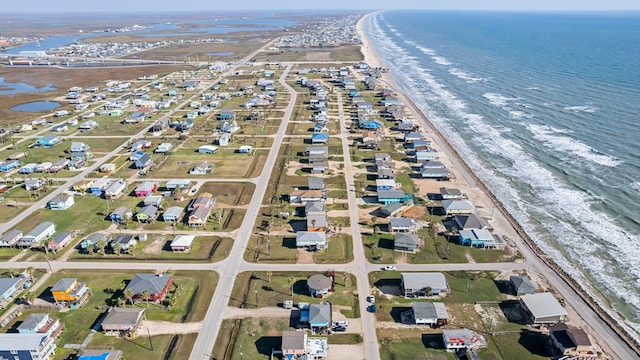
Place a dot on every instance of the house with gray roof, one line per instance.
(543, 308)
(402, 224)
(406, 242)
(122, 320)
(522, 284)
(157, 285)
(470, 221)
(10, 287)
(26, 346)
(432, 314)
(452, 207)
(417, 284)
(311, 240)
(319, 317)
(10, 238)
(38, 233)
(173, 214)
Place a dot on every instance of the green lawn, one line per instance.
(276, 250)
(252, 337)
(338, 251)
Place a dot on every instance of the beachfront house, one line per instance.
(452, 207)
(480, 238)
(522, 284)
(543, 309)
(392, 196)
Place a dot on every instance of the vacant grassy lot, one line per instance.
(274, 292)
(228, 164)
(253, 337)
(229, 193)
(102, 145)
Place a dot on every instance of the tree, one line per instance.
(30, 271)
(121, 302)
(345, 279)
(145, 296)
(91, 248)
(117, 248)
(101, 245)
(30, 297)
(269, 274)
(128, 295)
(45, 245)
(132, 249)
(374, 221)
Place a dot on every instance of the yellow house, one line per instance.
(69, 290)
(82, 185)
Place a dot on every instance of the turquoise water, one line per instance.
(544, 106)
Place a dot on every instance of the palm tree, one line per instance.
(117, 248)
(91, 248)
(30, 271)
(45, 245)
(345, 278)
(121, 302)
(145, 296)
(132, 249)
(30, 297)
(374, 221)
(269, 274)
(101, 245)
(128, 294)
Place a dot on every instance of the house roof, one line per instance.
(522, 282)
(153, 283)
(319, 282)
(450, 191)
(434, 280)
(470, 221)
(32, 321)
(429, 310)
(391, 194)
(40, 228)
(173, 211)
(122, 316)
(401, 222)
(408, 239)
(16, 341)
(569, 336)
(315, 183)
(320, 314)
(60, 237)
(201, 212)
(319, 217)
(309, 238)
(294, 340)
(123, 239)
(477, 235)
(543, 305)
(313, 206)
(182, 240)
(390, 208)
(468, 336)
(458, 205)
(148, 210)
(8, 283)
(121, 210)
(64, 284)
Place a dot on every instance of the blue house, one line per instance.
(480, 238)
(28, 169)
(371, 124)
(227, 115)
(9, 164)
(392, 196)
(172, 92)
(49, 140)
(120, 214)
(8, 287)
(144, 162)
(320, 138)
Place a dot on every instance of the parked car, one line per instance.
(371, 299)
(389, 268)
(343, 323)
(339, 329)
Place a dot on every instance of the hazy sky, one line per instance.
(211, 5)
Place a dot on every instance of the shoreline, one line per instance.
(528, 248)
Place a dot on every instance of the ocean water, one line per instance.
(545, 107)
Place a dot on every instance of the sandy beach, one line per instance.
(581, 307)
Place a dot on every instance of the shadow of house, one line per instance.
(514, 313)
(536, 343)
(433, 341)
(503, 286)
(289, 243)
(396, 313)
(434, 196)
(300, 287)
(389, 286)
(298, 225)
(386, 243)
(265, 344)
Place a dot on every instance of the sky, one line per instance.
(74, 6)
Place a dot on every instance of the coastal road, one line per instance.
(230, 267)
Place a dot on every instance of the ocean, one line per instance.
(545, 108)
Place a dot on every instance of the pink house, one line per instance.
(146, 188)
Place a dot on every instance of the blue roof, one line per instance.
(320, 136)
(104, 356)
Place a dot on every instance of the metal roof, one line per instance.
(543, 305)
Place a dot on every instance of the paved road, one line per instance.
(233, 264)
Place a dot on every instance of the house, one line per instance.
(319, 128)
(371, 139)
(33, 184)
(224, 139)
(320, 138)
(60, 240)
(522, 284)
(370, 124)
(447, 193)
(227, 115)
(10, 287)
(425, 155)
(434, 172)
(199, 216)
(245, 149)
(480, 238)
(69, 290)
(28, 168)
(391, 209)
(78, 146)
(432, 314)
(147, 214)
(123, 321)
(294, 344)
(163, 148)
(88, 125)
(121, 214)
(61, 202)
(175, 183)
(9, 165)
(115, 189)
(49, 140)
(207, 149)
(39, 233)
(60, 128)
(385, 184)
(98, 186)
(41, 323)
(401, 224)
(182, 243)
(44, 166)
(320, 285)
(144, 162)
(10, 238)
(406, 242)
(136, 155)
(317, 153)
(60, 165)
(317, 221)
(157, 285)
(303, 196)
(421, 284)
(107, 168)
(319, 317)
(319, 167)
(392, 196)
(420, 145)
(452, 207)
(172, 214)
(470, 221)
(94, 239)
(203, 200)
(462, 339)
(385, 173)
(125, 241)
(315, 183)
(311, 240)
(202, 169)
(141, 145)
(412, 136)
(543, 308)
(26, 346)
(146, 188)
(572, 343)
(86, 354)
